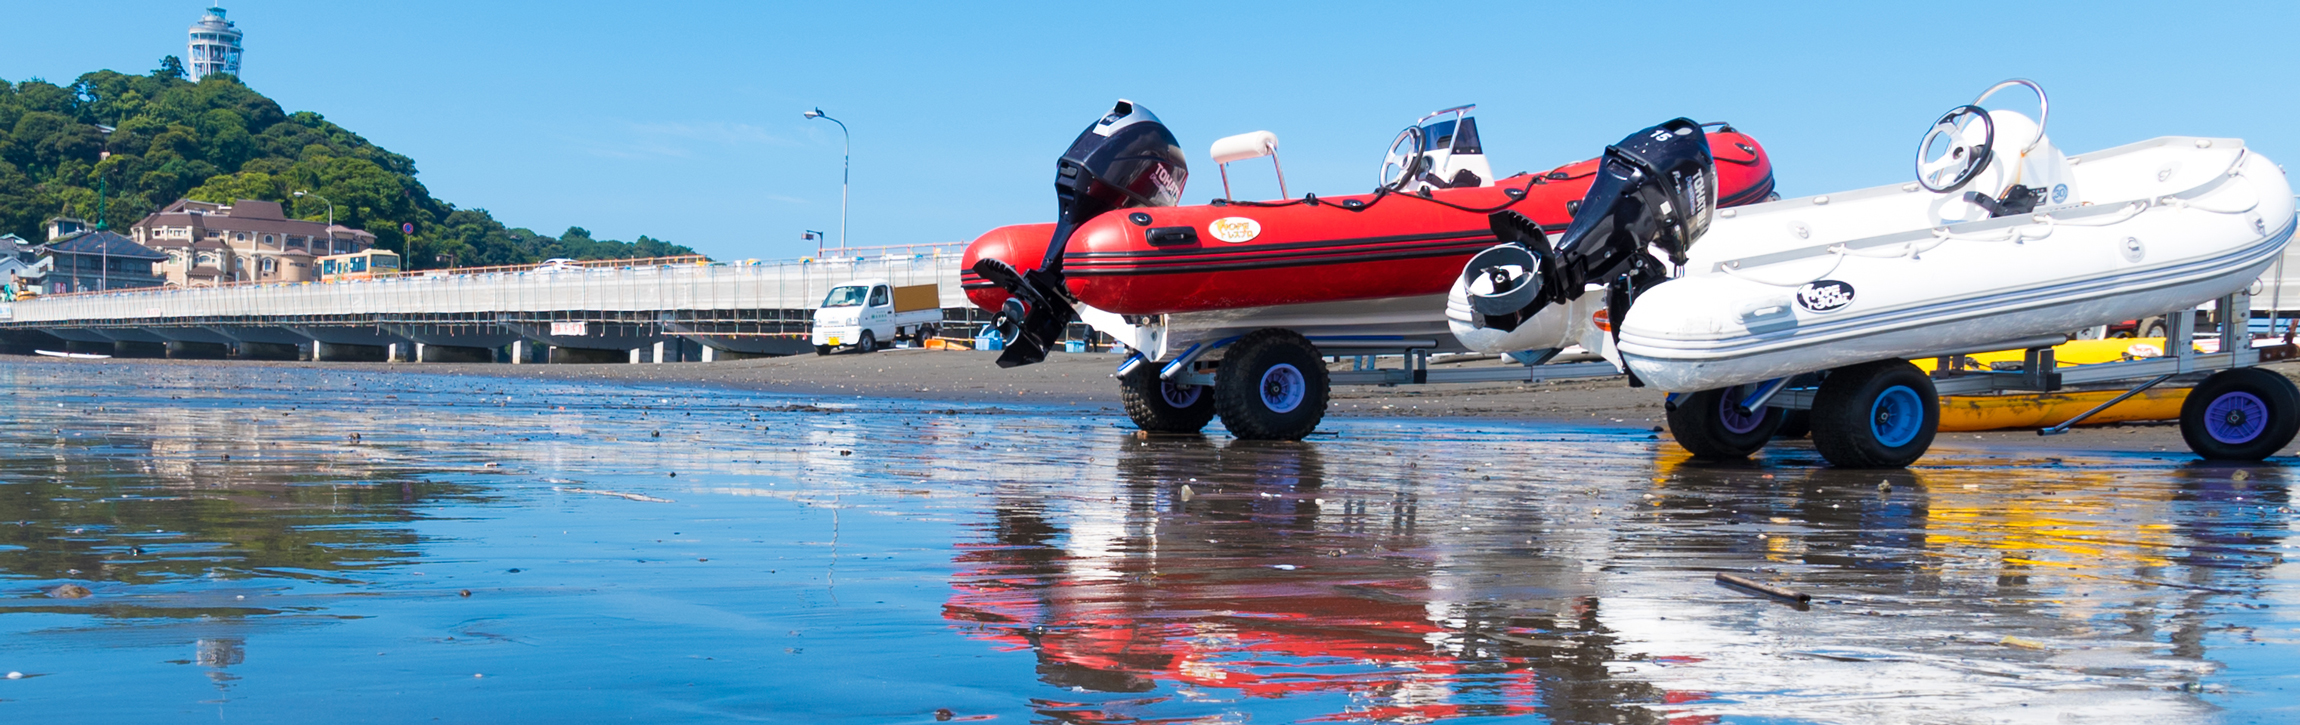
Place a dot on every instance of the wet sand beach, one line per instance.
(1082, 382)
(231, 542)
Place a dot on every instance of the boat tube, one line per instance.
(1162, 279)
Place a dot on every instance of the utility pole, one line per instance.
(846, 169)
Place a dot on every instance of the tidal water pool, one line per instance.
(282, 544)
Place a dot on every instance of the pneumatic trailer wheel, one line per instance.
(1161, 406)
(1875, 415)
(1712, 425)
(2245, 414)
(1271, 386)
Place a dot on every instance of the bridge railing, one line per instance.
(776, 285)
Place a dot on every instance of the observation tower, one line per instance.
(215, 46)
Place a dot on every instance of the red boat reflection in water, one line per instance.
(1259, 584)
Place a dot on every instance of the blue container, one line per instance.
(1074, 346)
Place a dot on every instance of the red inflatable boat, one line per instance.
(1235, 308)
(1227, 255)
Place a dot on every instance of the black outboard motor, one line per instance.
(1127, 159)
(1657, 188)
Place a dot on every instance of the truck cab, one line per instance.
(866, 314)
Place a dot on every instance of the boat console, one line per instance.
(1440, 151)
(2001, 159)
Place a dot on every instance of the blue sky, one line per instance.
(682, 120)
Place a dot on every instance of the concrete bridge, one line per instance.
(638, 310)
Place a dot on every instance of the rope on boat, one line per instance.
(2042, 226)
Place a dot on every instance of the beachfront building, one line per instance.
(246, 241)
(16, 259)
(94, 260)
(215, 46)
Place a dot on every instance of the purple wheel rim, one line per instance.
(1179, 396)
(2236, 417)
(1729, 412)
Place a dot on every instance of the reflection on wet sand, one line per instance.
(2051, 588)
(1264, 582)
(1224, 572)
(166, 501)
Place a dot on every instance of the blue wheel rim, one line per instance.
(1896, 416)
(2235, 417)
(1283, 388)
(1729, 412)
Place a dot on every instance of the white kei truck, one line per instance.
(866, 314)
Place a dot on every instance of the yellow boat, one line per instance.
(2038, 410)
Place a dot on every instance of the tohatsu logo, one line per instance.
(1824, 295)
(1234, 229)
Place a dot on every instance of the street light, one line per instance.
(330, 218)
(846, 168)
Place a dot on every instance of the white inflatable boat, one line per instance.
(2002, 239)
(1816, 303)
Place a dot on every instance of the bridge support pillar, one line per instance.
(658, 351)
(636, 354)
(269, 351)
(518, 352)
(710, 354)
(454, 354)
(183, 350)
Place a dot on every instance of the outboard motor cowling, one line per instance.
(1657, 188)
(1127, 159)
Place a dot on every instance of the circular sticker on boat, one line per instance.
(1234, 229)
(1824, 295)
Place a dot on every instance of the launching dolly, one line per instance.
(1884, 414)
(1274, 383)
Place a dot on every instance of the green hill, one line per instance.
(217, 140)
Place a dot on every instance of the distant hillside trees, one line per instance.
(217, 140)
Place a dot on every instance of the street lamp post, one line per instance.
(846, 168)
(330, 218)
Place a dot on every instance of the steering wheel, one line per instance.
(1956, 164)
(2043, 107)
(1405, 156)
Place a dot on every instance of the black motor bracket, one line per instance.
(1125, 159)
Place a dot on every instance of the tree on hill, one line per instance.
(217, 140)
